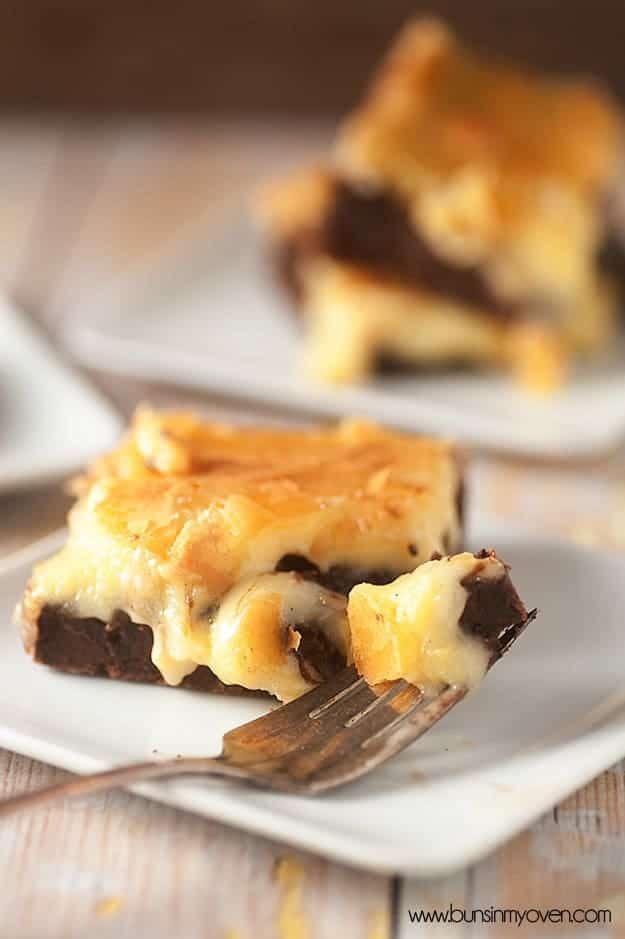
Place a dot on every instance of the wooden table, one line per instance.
(78, 204)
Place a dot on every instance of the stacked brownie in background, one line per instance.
(461, 219)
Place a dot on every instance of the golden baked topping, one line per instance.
(435, 109)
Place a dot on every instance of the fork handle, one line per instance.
(123, 776)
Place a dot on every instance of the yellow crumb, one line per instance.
(108, 906)
(233, 934)
(380, 925)
(292, 924)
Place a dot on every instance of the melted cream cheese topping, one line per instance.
(250, 645)
(410, 629)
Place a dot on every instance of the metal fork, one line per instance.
(338, 732)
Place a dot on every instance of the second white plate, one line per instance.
(52, 421)
(217, 321)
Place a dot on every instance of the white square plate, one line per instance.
(51, 421)
(546, 720)
(217, 321)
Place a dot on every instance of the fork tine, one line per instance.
(333, 699)
(385, 698)
(346, 700)
(383, 743)
(343, 735)
(510, 634)
(282, 717)
(290, 725)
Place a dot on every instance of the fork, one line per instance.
(334, 734)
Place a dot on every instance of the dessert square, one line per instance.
(462, 218)
(221, 557)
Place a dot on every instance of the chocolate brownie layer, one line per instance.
(373, 230)
(491, 607)
(340, 577)
(119, 649)
(122, 649)
(318, 659)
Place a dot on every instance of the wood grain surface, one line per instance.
(81, 204)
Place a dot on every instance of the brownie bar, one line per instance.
(186, 505)
(340, 577)
(373, 230)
